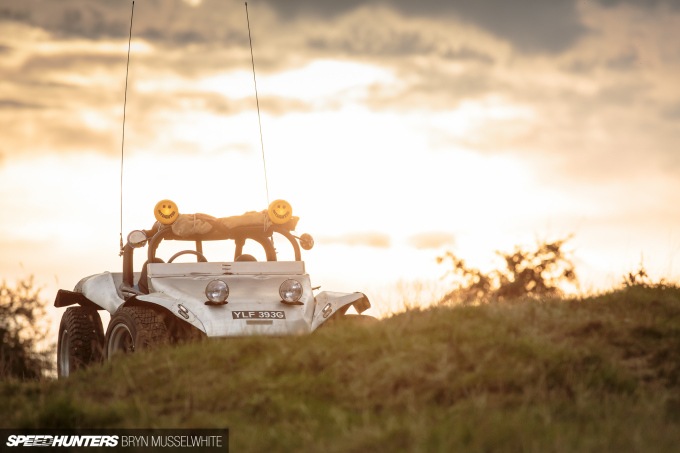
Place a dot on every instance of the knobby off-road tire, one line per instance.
(81, 340)
(135, 328)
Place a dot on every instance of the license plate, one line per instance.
(269, 314)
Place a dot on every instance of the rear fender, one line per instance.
(65, 298)
(96, 291)
(328, 303)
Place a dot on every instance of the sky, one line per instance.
(397, 130)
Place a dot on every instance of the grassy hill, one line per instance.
(583, 375)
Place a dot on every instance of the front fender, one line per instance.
(328, 303)
(175, 307)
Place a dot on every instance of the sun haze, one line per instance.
(396, 130)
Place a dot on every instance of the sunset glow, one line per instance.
(395, 133)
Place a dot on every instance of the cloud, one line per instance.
(222, 105)
(368, 239)
(469, 54)
(14, 13)
(623, 62)
(649, 4)
(49, 132)
(590, 105)
(672, 111)
(72, 62)
(530, 25)
(431, 240)
(12, 104)
(435, 89)
(172, 22)
(395, 43)
(396, 37)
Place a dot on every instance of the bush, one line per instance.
(21, 310)
(537, 272)
(639, 278)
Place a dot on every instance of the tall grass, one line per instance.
(576, 375)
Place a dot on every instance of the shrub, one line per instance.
(537, 272)
(21, 310)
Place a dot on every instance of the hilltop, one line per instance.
(573, 375)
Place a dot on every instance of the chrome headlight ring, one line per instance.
(291, 291)
(217, 291)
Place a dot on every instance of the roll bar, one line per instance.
(218, 233)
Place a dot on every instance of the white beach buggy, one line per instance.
(170, 302)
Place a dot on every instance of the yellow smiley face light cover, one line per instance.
(166, 212)
(280, 211)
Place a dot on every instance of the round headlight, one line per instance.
(217, 291)
(290, 290)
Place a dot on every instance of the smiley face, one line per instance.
(280, 211)
(166, 212)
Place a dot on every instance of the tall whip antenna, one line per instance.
(122, 144)
(252, 59)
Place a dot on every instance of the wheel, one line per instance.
(135, 328)
(81, 340)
